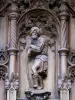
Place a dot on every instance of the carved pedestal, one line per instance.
(37, 95)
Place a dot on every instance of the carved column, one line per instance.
(13, 14)
(13, 29)
(63, 15)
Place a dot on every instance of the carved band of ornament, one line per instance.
(13, 16)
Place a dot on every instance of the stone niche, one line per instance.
(49, 25)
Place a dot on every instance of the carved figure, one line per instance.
(38, 49)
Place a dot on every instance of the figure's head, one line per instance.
(35, 32)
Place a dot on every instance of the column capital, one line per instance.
(13, 9)
(63, 10)
(13, 83)
(64, 84)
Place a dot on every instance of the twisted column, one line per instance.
(64, 34)
(13, 28)
(62, 83)
(64, 16)
(13, 14)
(13, 33)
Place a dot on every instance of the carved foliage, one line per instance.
(38, 18)
(2, 3)
(32, 4)
(26, 5)
(72, 3)
(13, 83)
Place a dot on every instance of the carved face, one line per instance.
(34, 34)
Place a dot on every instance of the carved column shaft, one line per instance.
(64, 38)
(64, 26)
(13, 28)
(11, 83)
(12, 63)
(64, 15)
(13, 33)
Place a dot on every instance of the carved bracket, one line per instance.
(37, 95)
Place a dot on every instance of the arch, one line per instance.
(47, 11)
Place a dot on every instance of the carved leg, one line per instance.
(40, 82)
(35, 73)
(35, 79)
